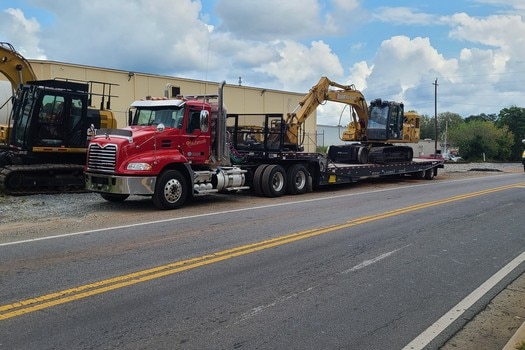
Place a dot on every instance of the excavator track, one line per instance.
(21, 180)
(390, 154)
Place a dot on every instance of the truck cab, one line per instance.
(172, 149)
(184, 124)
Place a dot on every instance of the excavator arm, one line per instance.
(14, 66)
(320, 93)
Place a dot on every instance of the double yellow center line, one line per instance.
(68, 295)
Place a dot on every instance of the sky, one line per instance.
(394, 50)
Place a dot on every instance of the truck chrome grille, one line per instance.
(102, 158)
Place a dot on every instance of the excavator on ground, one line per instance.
(43, 145)
(373, 131)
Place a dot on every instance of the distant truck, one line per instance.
(177, 148)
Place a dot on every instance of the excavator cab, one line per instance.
(385, 121)
(48, 118)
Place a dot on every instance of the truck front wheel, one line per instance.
(171, 190)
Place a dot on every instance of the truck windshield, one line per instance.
(169, 116)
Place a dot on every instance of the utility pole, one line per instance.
(435, 116)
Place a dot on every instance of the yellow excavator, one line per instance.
(44, 143)
(372, 131)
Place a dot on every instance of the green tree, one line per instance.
(445, 120)
(427, 127)
(448, 121)
(478, 140)
(514, 119)
(482, 117)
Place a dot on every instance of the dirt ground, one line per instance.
(26, 218)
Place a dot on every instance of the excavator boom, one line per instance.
(14, 66)
(320, 93)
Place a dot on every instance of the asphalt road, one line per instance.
(338, 270)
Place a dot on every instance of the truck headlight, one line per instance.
(139, 166)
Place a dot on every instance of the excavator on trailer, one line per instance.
(46, 136)
(372, 131)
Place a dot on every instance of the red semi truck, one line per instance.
(177, 148)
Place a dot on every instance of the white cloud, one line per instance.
(22, 31)
(503, 32)
(359, 74)
(515, 5)
(403, 15)
(402, 64)
(298, 65)
(269, 19)
(289, 45)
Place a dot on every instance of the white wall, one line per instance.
(329, 135)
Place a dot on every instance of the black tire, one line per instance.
(171, 190)
(257, 179)
(418, 175)
(14, 181)
(429, 174)
(297, 179)
(274, 181)
(362, 155)
(113, 197)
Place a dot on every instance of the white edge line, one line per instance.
(194, 216)
(447, 319)
(207, 214)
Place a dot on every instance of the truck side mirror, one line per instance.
(204, 120)
(130, 117)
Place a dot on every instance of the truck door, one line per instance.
(195, 137)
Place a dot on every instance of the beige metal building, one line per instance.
(135, 85)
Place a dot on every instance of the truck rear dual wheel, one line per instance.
(257, 179)
(171, 190)
(269, 180)
(297, 179)
(274, 181)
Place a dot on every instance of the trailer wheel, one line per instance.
(429, 174)
(257, 179)
(297, 179)
(112, 197)
(274, 181)
(171, 190)
(419, 174)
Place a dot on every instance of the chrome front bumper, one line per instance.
(120, 184)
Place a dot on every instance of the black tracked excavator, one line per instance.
(46, 136)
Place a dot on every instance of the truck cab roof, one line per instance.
(158, 103)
